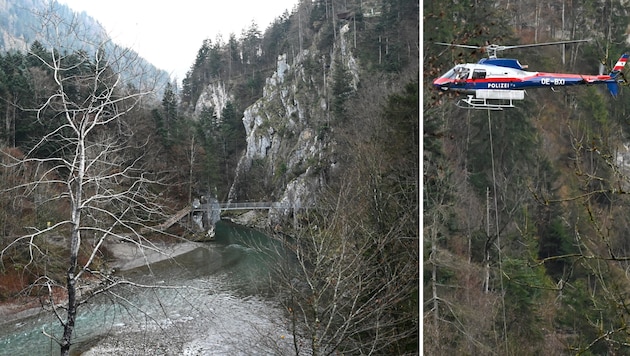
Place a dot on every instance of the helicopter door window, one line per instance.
(479, 74)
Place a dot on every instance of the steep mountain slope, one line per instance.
(22, 22)
(525, 210)
(303, 87)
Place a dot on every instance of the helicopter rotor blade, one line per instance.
(459, 45)
(492, 49)
(542, 44)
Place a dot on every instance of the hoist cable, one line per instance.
(496, 226)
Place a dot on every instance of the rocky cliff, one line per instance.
(214, 96)
(290, 150)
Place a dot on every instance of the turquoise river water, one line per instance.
(223, 305)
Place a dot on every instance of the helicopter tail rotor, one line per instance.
(617, 76)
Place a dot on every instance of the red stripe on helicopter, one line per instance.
(567, 75)
(588, 78)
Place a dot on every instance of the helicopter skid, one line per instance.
(491, 99)
(481, 104)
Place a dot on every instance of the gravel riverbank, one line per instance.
(126, 256)
(123, 256)
(209, 314)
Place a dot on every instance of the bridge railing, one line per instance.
(246, 206)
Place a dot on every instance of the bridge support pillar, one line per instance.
(214, 210)
(206, 213)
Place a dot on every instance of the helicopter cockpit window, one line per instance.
(479, 74)
(462, 73)
(450, 74)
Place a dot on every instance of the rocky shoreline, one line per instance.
(123, 256)
(126, 256)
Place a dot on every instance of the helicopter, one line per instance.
(495, 83)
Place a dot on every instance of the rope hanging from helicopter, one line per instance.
(496, 222)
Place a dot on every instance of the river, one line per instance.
(214, 300)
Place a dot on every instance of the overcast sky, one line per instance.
(169, 33)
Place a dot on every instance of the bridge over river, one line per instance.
(244, 206)
(214, 209)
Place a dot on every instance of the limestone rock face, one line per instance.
(290, 146)
(216, 96)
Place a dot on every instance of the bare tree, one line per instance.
(351, 281)
(88, 165)
(346, 288)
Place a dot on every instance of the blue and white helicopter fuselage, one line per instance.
(507, 79)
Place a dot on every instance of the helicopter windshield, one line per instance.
(457, 72)
(450, 74)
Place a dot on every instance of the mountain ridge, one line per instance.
(24, 22)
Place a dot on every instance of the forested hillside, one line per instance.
(321, 107)
(23, 22)
(525, 210)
